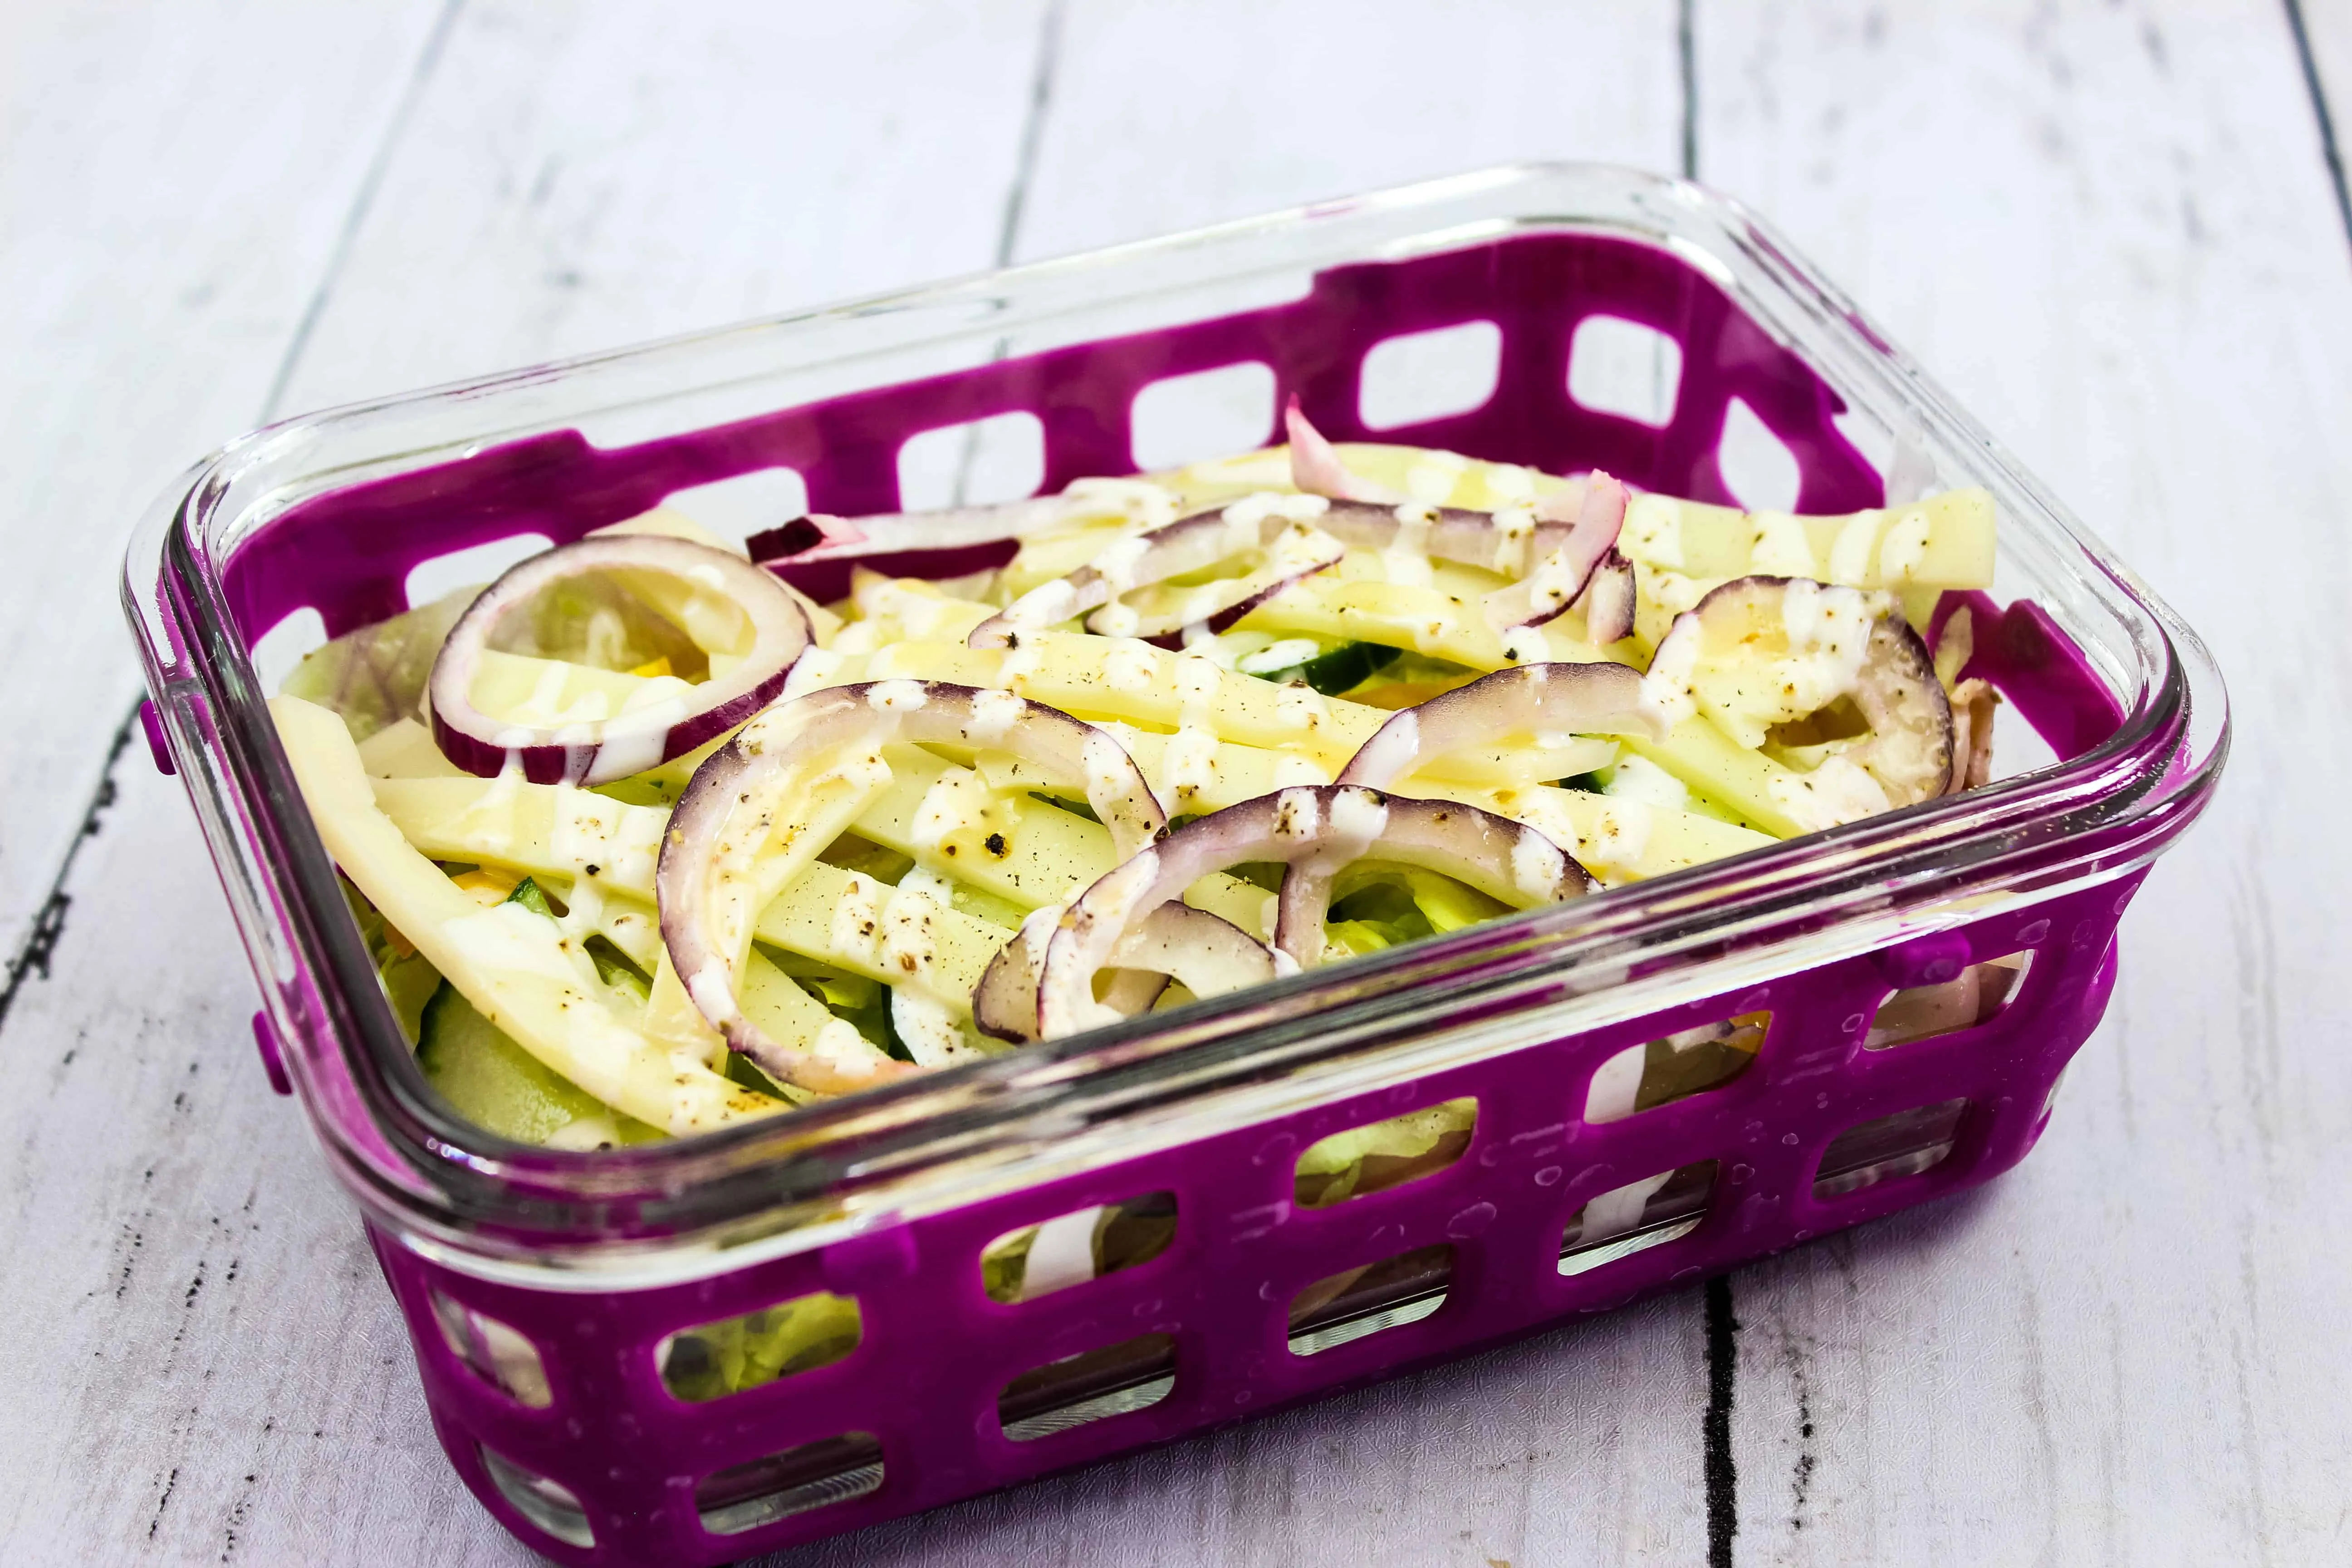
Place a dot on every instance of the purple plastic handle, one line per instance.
(347, 553)
(936, 1352)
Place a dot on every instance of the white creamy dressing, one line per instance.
(712, 990)
(1276, 657)
(1359, 817)
(1537, 864)
(1838, 791)
(814, 668)
(1849, 552)
(956, 803)
(1244, 517)
(1405, 559)
(1665, 698)
(1301, 706)
(1553, 584)
(1828, 631)
(1652, 532)
(1511, 484)
(1197, 683)
(1620, 834)
(1188, 765)
(1110, 774)
(858, 915)
(1115, 562)
(1638, 778)
(1905, 548)
(1115, 620)
(1674, 593)
(910, 934)
(488, 818)
(839, 1046)
(1525, 645)
(511, 939)
(1131, 664)
(1020, 666)
(1432, 476)
(1515, 531)
(994, 714)
(1296, 815)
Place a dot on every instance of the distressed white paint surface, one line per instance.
(174, 182)
(2133, 271)
(2108, 228)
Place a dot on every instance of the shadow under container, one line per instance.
(1664, 1080)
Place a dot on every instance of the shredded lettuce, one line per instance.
(1378, 906)
(375, 676)
(723, 1358)
(1334, 1167)
(408, 977)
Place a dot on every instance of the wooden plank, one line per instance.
(2110, 231)
(206, 1364)
(1252, 105)
(580, 178)
(1470, 1459)
(223, 1373)
(174, 187)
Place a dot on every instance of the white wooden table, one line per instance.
(2111, 227)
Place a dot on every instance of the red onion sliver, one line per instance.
(1316, 467)
(1209, 954)
(1910, 750)
(599, 750)
(1343, 822)
(1607, 602)
(1543, 699)
(1567, 568)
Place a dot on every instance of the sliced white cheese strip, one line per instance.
(521, 980)
(1941, 541)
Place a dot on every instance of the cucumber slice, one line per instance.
(1345, 668)
(496, 1084)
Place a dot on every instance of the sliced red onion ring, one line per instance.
(1973, 703)
(599, 750)
(1344, 822)
(1561, 578)
(1542, 698)
(1188, 544)
(755, 778)
(1539, 698)
(1909, 751)
(1209, 955)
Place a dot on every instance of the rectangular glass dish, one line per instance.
(585, 1322)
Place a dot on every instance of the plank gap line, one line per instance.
(2327, 146)
(32, 955)
(1722, 1375)
(1016, 199)
(420, 75)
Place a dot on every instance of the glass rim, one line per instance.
(792, 1181)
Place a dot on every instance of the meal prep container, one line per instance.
(558, 1302)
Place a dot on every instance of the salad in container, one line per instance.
(829, 1008)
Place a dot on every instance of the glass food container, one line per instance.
(578, 1318)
